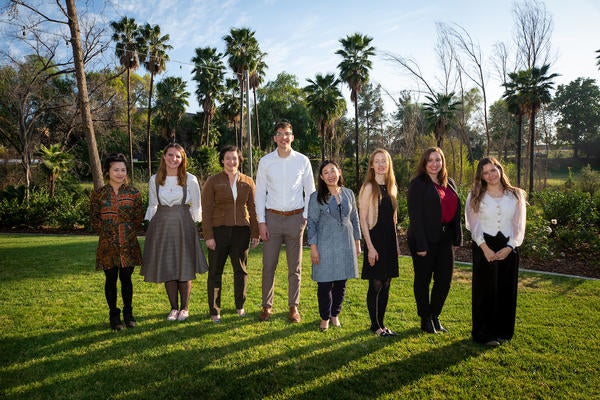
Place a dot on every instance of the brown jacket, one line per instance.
(220, 209)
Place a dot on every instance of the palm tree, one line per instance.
(440, 111)
(56, 162)
(230, 106)
(354, 70)
(326, 104)
(209, 73)
(127, 37)
(256, 78)
(171, 101)
(514, 101)
(243, 51)
(155, 49)
(535, 94)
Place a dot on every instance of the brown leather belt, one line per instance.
(286, 213)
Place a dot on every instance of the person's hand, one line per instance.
(503, 253)
(211, 244)
(422, 253)
(254, 242)
(488, 253)
(314, 255)
(263, 231)
(358, 248)
(373, 256)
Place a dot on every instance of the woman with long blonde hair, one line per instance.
(495, 214)
(172, 252)
(377, 215)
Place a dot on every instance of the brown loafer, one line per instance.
(294, 314)
(265, 314)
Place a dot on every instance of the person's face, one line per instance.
(284, 138)
(490, 174)
(172, 158)
(231, 162)
(380, 164)
(117, 173)
(330, 175)
(434, 163)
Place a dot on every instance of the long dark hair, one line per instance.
(422, 166)
(480, 185)
(322, 190)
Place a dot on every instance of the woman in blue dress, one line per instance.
(334, 237)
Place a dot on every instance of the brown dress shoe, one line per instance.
(265, 314)
(294, 314)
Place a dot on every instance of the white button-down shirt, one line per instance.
(283, 184)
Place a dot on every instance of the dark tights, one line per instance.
(377, 300)
(110, 287)
(176, 289)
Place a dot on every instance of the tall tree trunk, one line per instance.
(129, 124)
(86, 115)
(356, 146)
(322, 128)
(241, 134)
(519, 145)
(256, 114)
(148, 136)
(531, 149)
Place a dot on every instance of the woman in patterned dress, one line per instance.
(116, 215)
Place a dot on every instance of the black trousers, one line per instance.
(232, 242)
(330, 296)
(494, 292)
(110, 287)
(438, 265)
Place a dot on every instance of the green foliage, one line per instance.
(205, 163)
(569, 222)
(539, 241)
(64, 211)
(589, 180)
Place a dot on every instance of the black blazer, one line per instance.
(425, 214)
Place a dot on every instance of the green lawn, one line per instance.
(56, 344)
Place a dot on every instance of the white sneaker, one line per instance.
(173, 315)
(183, 314)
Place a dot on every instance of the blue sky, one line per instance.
(301, 37)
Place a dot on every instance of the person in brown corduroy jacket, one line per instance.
(228, 224)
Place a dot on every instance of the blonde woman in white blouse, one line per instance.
(172, 251)
(495, 214)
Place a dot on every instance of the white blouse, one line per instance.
(171, 194)
(505, 214)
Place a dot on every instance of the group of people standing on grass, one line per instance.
(236, 213)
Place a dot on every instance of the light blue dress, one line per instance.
(334, 229)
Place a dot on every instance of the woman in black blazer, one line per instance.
(434, 213)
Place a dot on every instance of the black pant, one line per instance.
(232, 242)
(439, 265)
(110, 287)
(330, 296)
(494, 292)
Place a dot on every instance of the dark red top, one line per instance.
(448, 201)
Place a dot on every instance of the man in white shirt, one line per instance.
(284, 182)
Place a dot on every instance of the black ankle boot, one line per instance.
(437, 325)
(128, 318)
(115, 319)
(427, 325)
